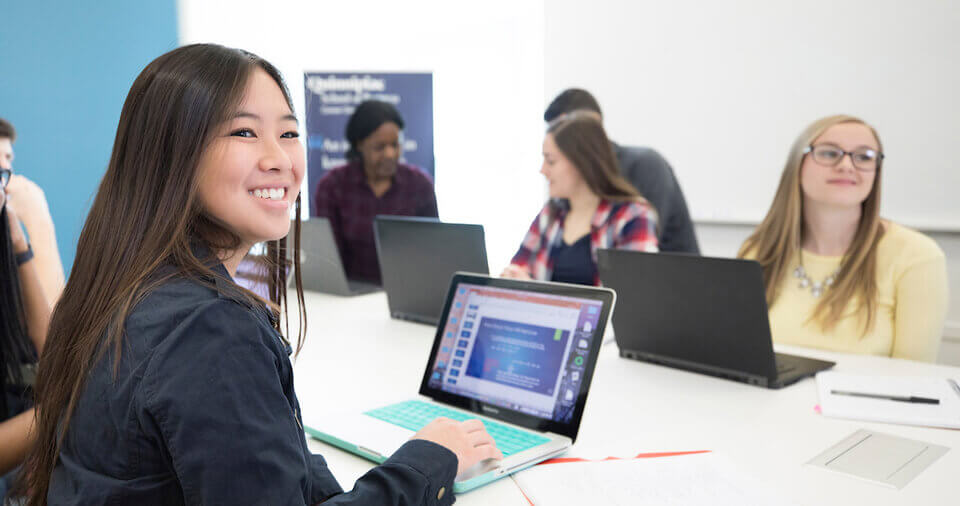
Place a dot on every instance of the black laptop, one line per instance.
(707, 315)
(418, 256)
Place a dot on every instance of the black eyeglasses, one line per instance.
(5, 175)
(864, 159)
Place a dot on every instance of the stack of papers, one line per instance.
(691, 479)
(874, 398)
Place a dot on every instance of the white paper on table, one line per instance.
(689, 480)
(946, 414)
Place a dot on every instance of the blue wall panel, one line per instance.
(65, 68)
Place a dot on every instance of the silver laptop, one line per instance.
(321, 268)
(518, 355)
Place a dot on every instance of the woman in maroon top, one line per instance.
(372, 182)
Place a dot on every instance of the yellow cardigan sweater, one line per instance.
(911, 302)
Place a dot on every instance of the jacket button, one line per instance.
(441, 492)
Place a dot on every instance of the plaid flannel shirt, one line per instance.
(615, 225)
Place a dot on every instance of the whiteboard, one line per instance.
(722, 89)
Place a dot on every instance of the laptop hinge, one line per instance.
(753, 379)
(538, 458)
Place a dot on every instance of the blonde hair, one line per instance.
(775, 244)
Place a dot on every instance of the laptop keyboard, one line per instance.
(414, 415)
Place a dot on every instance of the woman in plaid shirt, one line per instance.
(591, 207)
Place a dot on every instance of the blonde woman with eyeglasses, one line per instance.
(837, 276)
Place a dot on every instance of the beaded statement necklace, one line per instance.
(816, 288)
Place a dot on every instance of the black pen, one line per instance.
(899, 398)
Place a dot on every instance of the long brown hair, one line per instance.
(581, 138)
(775, 244)
(146, 214)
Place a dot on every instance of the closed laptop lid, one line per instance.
(699, 310)
(519, 351)
(417, 258)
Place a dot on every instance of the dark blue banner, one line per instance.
(331, 98)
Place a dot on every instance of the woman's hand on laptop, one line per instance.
(468, 440)
(515, 272)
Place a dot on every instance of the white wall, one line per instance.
(723, 88)
(487, 61)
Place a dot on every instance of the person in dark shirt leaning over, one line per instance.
(647, 171)
(373, 182)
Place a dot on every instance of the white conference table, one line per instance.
(356, 357)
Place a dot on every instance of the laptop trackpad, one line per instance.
(368, 433)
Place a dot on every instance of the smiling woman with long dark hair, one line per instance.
(164, 382)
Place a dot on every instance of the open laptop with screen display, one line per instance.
(519, 355)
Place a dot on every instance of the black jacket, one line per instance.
(203, 411)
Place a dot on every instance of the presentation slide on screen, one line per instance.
(517, 354)
(512, 351)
